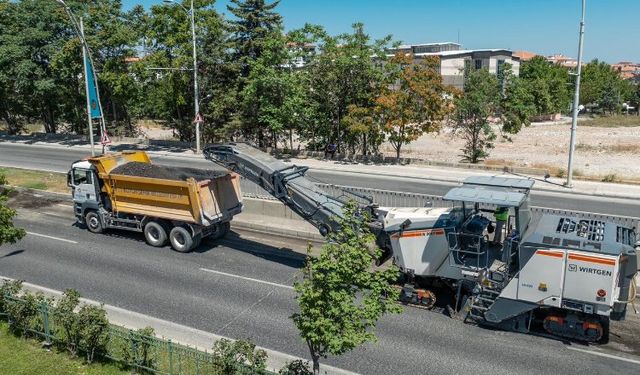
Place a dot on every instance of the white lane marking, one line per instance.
(637, 362)
(247, 278)
(51, 237)
(64, 205)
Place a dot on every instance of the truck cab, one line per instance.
(85, 187)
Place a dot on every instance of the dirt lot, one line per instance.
(600, 151)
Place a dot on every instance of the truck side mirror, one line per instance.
(69, 182)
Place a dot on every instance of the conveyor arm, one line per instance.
(283, 181)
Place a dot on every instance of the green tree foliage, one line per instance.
(603, 87)
(348, 70)
(416, 103)
(8, 232)
(340, 297)
(94, 331)
(548, 84)
(480, 101)
(517, 104)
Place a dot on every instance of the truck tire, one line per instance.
(181, 239)
(155, 234)
(93, 222)
(221, 230)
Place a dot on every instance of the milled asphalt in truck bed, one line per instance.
(121, 270)
(59, 159)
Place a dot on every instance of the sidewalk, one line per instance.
(449, 175)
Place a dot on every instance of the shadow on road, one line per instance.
(14, 252)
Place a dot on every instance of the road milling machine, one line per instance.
(566, 274)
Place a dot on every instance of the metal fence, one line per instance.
(387, 198)
(131, 349)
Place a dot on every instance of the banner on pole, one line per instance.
(94, 106)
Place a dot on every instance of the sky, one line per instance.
(542, 26)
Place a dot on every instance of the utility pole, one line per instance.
(86, 88)
(576, 101)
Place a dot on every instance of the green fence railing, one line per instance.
(146, 354)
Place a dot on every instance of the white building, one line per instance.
(456, 62)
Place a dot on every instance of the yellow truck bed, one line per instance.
(199, 202)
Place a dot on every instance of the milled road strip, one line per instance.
(606, 355)
(247, 278)
(51, 237)
(179, 333)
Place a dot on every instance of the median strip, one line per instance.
(247, 278)
(51, 237)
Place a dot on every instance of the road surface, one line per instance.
(59, 159)
(241, 288)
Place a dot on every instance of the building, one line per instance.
(627, 70)
(525, 55)
(455, 62)
(567, 62)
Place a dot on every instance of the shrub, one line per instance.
(65, 315)
(241, 352)
(94, 330)
(610, 178)
(297, 367)
(137, 349)
(23, 312)
(9, 289)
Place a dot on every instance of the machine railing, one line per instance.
(468, 251)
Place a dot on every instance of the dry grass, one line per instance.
(615, 121)
(36, 179)
(499, 162)
(622, 148)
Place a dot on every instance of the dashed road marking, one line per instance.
(247, 278)
(51, 237)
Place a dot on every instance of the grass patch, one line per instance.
(24, 356)
(615, 121)
(36, 179)
(623, 148)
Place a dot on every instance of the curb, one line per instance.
(280, 232)
(178, 333)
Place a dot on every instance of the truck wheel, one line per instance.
(155, 234)
(221, 230)
(93, 222)
(181, 239)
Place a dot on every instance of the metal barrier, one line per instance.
(387, 198)
(127, 347)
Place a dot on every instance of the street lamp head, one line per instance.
(168, 1)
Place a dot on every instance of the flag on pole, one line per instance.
(94, 105)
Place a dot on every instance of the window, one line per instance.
(500, 68)
(81, 176)
(478, 64)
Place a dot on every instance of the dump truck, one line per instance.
(181, 206)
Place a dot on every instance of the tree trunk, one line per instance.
(291, 140)
(398, 147)
(315, 358)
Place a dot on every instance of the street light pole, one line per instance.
(196, 96)
(576, 101)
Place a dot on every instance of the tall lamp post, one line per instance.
(576, 101)
(196, 99)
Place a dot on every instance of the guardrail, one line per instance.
(387, 198)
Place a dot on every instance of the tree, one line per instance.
(416, 103)
(349, 70)
(480, 101)
(66, 316)
(340, 298)
(603, 87)
(8, 232)
(548, 84)
(517, 103)
(94, 330)
(255, 22)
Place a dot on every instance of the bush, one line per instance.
(241, 352)
(94, 330)
(65, 315)
(23, 312)
(137, 349)
(297, 367)
(610, 178)
(9, 289)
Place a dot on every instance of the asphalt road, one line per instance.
(59, 160)
(120, 270)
